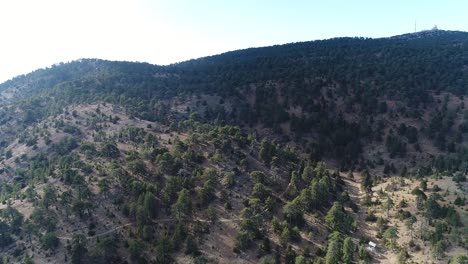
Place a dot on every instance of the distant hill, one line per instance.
(336, 96)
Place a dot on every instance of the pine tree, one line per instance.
(334, 249)
(337, 219)
(183, 207)
(348, 250)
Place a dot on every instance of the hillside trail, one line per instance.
(167, 220)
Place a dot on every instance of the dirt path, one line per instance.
(364, 229)
(222, 220)
(101, 234)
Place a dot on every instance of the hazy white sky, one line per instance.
(39, 33)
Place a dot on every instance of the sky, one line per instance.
(39, 33)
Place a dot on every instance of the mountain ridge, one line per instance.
(419, 34)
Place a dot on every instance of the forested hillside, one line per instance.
(283, 154)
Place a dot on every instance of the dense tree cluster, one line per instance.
(406, 71)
